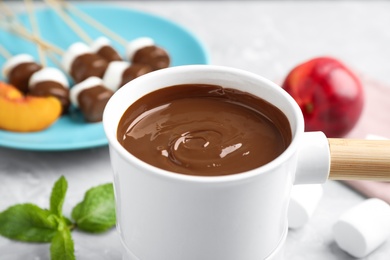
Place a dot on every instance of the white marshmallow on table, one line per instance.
(83, 85)
(137, 44)
(100, 43)
(14, 61)
(304, 200)
(112, 77)
(363, 228)
(74, 50)
(49, 74)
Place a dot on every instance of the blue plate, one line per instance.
(71, 132)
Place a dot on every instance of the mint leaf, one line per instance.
(27, 222)
(57, 197)
(62, 246)
(96, 213)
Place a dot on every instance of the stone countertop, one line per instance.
(265, 37)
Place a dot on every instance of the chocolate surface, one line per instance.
(154, 56)
(92, 102)
(134, 71)
(87, 65)
(109, 53)
(52, 88)
(204, 130)
(20, 75)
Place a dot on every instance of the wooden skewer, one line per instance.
(35, 29)
(54, 59)
(20, 31)
(353, 159)
(6, 11)
(77, 29)
(94, 23)
(12, 25)
(5, 53)
(17, 28)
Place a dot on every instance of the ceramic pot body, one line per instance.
(164, 215)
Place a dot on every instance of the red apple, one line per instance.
(329, 94)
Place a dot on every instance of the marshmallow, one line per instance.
(91, 97)
(74, 50)
(144, 51)
(113, 76)
(100, 43)
(137, 44)
(49, 74)
(83, 85)
(304, 200)
(50, 82)
(363, 228)
(102, 46)
(15, 61)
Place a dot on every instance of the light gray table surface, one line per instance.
(265, 37)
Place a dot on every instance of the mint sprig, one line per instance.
(96, 213)
(57, 197)
(30, 223)
(62, 246)
(27, 222)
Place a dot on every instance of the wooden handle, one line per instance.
(352, 159)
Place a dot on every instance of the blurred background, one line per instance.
(265, 37)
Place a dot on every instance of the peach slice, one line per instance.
(26, 113)
(9, 91)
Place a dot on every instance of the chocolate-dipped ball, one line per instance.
(143, 50)
(81, 63)
(91, 97)
(118, 73)
(19, 69)
(51, 82)
(102, 46)
(134, 71)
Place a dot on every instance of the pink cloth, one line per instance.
(372, 189)
(375, 120)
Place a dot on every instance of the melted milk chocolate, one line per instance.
(87, 65)
(134, 71)
(92, 102)
(52, 88)
(109, 53)
(20, 75)
(154, 56)
(204, 130)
